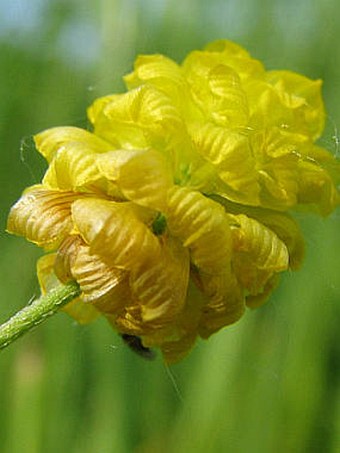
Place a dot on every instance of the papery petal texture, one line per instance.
(175, 213)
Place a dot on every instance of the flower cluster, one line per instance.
(172, 214)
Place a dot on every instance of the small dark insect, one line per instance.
(136, 345)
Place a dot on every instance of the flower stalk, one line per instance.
(35, 313)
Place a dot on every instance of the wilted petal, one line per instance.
(258, 253)
(103, 285)
(82, 312)
(162, 288)
(202, 226)
(43, 216)
(256, 300)
(225, 302)
(288, 231)
(115, 232)
(175, 350)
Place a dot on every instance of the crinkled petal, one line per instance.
(288, 231)
(202, 225)
(317, 188)
(138, 119)
(225, 302)
(258, 253)
(229, 103)
(160, 71)
(74, 167)
(282, 224)
(223, 52)
(176, 345)
(101, 284)
(175, 350)
(82, 312)
(51, 140)
(233, 159)
(256, 300)
(277, 154)
(142, 176)
(43, 216)
(115, 232)
(162, 288)
(302, 96)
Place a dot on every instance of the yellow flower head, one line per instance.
(172, 214)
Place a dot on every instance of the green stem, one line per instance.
(35, 313)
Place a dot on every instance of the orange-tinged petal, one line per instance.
(226, 303)
(101, 284)
(256, 300)
(82, 312)
(288, 231)
(162, 288)
(115, 232)
(202, 226)
(43, 216)
(258, 253)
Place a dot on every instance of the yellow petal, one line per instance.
(198, 63)
(142, 118)
(277, 154)
(142, 176)
(115, 232)
(43, 216)
(102, 285)
(288, 231)
(45, 272)
(175, 350)
(217, 91)
(81, 312)
(161, 288)
(233, 159)
(282, 224)
(258, 253)
(176, 345)
(113, 119)
(160, 71)
(303, 97)
(256, 300)
(317, 188)
(230, 107)
(202, 226)
(51, 140)
(74, 167)
(225, 302)
(227, 47)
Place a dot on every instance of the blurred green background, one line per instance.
(270, 383)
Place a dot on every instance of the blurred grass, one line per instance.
(269, 383)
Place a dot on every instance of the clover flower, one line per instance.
(173, 213)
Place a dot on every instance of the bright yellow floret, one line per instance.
(174, 213)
